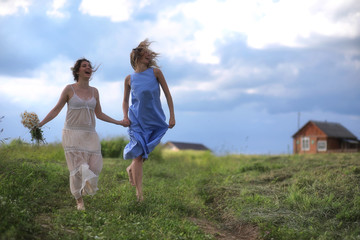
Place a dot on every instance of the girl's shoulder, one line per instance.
(157, 71)
(127, 80)
(69, 88)
(94, 89)
(67, 92)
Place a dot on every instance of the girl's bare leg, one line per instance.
(137, 172)
(129, 171)
(80, 204)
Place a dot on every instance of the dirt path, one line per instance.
(239, 232)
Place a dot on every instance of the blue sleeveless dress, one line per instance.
(147, 117)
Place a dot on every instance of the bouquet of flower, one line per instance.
(30, 121)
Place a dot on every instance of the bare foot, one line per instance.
(128, 169)
(140, 198)
(80, 204)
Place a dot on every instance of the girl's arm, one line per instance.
(64, 97)
(161, 79)
(125, 105)
(102, 116)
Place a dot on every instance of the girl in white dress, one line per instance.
(80, 141)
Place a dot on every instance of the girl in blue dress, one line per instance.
(145, 115)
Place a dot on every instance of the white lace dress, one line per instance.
(82, 146)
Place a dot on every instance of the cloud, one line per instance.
(185, 33)
(302, 23)
(10, 7)
(56, 12)
(110, 95)
(44, 83)
(239, 80)
(116, 10)
(42, 89)
(274, 80)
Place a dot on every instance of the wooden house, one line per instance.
(178, 146)
(324, 137)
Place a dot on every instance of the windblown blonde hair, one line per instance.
(137, 52)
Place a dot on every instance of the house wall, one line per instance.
(312, 144)
(314, 134)
(333, 144)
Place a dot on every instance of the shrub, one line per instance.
(113, 148)
(156, 154)
(17, 142)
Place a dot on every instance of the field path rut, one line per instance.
(239, 232)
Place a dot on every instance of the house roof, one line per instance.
(332, 129)
(188, 146)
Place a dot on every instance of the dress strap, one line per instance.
(72, 88)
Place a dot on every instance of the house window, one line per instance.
(305, 143)
(321, 146)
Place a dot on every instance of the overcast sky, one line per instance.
(243, 74)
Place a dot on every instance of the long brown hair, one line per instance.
(137, 52)
(76, 67)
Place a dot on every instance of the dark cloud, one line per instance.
(33, 40)
(325, 81)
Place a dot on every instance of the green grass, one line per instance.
(289, 197)
(281, 197)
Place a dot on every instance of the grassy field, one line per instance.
(188, 195)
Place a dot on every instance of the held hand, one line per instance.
(125, 122)
(171, 122)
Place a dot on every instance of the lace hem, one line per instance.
(83, 181)
(76, 150)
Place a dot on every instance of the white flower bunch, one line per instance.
(31, 121)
